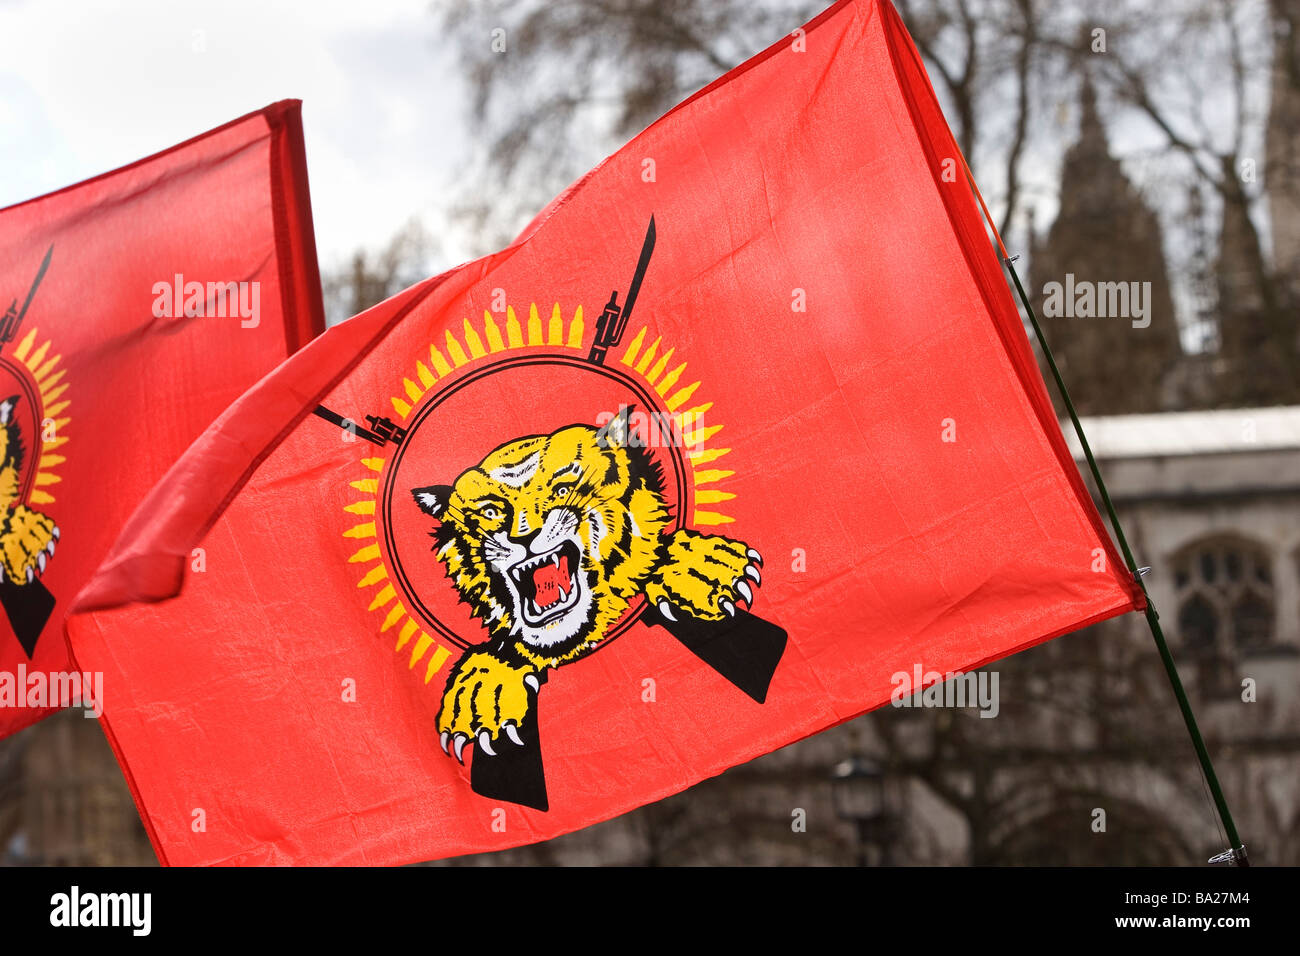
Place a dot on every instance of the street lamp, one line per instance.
(860, 795)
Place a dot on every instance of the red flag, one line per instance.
(144, 301)
(510, 554)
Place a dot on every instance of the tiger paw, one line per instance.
(485, 703)
(27, 542)
(704, 576)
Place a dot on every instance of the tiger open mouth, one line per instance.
(548, 585)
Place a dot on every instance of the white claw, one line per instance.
(55, 532)
(753, 573)
(513, 734)
(755, 556)
(485, 743)
(50, 547)
(40, 562)
(743, 589)
(460, 747)
(446, 736)
(531, 681)
(30, 575)
(666, 610)
(728, 607)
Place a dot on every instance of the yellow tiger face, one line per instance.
(550, 537)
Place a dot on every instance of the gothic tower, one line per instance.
(1104, 234)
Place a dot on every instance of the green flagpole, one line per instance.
(1237, 851)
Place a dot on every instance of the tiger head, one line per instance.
(549, 537)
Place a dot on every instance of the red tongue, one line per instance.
(547, 581)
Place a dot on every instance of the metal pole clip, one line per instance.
(1236, 857)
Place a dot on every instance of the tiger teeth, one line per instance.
(553, 558)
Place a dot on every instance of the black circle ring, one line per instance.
(395, 564)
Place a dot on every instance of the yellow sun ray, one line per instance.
(669, 380)
(711, 496)
(629, 357)
(534, 326)
(47, 368)
(409, 627)
(699, 436)
(710, 518)
(493, 333)
(369, 553)
(513, 333)
(659, 366)
(50, 387)
(679, 397)
(44, 384)
(555, 333)
(421, 646)
(439, 363)
(576, 329)
(706, 455)
(454, 349)
(709, 475)
(383, 597)
(25, 345)
(648, 357)
(435, 662)
(37, 357)
(475, 344)
(427, 378)
(373, 576)
(396, 614)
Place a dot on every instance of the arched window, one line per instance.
(1225, 607)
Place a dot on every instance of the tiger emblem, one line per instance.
(549, 539)
(27, 537)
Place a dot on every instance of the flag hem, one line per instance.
(997, 297)
(301, 299)
(262, 113)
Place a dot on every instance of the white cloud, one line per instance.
(86, 87)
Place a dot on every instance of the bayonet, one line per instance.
(14, 316)
(613, 321)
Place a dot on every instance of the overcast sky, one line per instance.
(89, 86)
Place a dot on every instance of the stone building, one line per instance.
(1256, 270)
(1102, 252)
